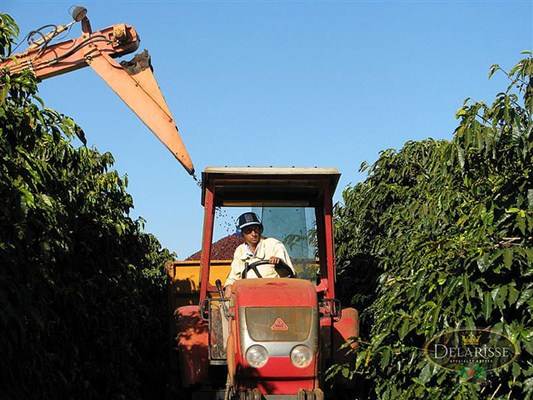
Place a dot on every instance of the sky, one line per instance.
(281, 83)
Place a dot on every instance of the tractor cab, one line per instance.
(300, 189)
(281, 333)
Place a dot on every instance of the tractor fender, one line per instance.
(346, 328)
(335, 333)
(192, 345)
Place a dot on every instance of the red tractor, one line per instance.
(284, 332)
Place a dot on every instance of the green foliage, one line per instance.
(443, 231)
(82, 288)
(8, 32)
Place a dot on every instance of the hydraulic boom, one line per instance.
(133, 81)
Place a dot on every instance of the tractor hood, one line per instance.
(277, 292)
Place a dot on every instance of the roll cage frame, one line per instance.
(272, 187)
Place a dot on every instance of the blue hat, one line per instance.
(248, 219)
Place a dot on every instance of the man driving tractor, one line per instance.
(283, 333)
(254, 249)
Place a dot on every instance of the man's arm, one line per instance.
(227, 291)
(280, 253)
(234, 273)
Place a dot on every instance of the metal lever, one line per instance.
(223, 299)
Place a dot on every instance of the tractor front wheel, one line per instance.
(316, 394)
(249, 394)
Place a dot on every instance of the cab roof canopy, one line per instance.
(269, 186)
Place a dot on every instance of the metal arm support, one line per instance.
(137, 87)
(60, 58)
(132, 81)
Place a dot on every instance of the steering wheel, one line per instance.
(283, 270)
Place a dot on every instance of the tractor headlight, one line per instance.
(301, 356)
(257, 356)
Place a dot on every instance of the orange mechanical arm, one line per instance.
(133, 81)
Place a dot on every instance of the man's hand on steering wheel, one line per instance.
(283, 270)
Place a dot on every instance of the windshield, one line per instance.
(295, 227)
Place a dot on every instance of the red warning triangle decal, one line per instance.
(279, 325)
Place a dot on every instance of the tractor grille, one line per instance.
(284, 324)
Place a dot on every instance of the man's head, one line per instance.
(250, 227)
